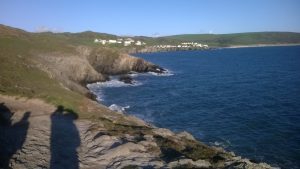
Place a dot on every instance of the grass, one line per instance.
(240, 38)
(20, 76)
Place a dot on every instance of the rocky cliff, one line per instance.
(87, 65)
(46, 120)
(40, 135)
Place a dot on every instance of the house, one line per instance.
(138, 43)
(111, 41)
(129, 39)
(199, 45)
(96, 41)
(103, 42)
(127, 43)
(119, 41)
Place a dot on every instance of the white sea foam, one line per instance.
(114, 83)
(96, 88)
(115, 107)
(165, 73)
(133, 74)
(224, 144)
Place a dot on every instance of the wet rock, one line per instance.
(126, 79)
(156, 69)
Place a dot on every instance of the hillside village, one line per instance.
(132, 42)
(120, 41)
(183, 45)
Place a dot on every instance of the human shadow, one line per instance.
(12, 135)
(64, 139)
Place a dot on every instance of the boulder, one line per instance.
(126, 79)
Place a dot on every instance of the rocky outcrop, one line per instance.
(51, 137)
(111, 62)
(126, 79)
(88, 65)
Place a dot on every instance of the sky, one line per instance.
(152, 17)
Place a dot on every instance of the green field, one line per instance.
(240, 38)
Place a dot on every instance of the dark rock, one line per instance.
(91, 95)
(126, 79)
(156, 69)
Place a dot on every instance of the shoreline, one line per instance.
(212, 48)
(257, 45)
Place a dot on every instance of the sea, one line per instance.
(246, 100)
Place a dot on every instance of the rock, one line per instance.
(186, 135)
(163, 132)
(101, 144)
(126, 79)
(156, 69)
(188, 163)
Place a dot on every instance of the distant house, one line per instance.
(138, 43)
(103, 42)
(127, 43)
(199, 45)
(120, 41)
(111, 41)
(129, 39)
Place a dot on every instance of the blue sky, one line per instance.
(152, 17)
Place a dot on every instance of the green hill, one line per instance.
(240, 38)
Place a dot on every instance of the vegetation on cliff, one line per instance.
(42, 83)
(56, 67)
(254, 38)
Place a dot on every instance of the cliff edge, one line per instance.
(47, 119)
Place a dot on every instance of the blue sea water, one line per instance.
(246, 100)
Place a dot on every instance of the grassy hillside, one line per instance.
(56, 66)
(19, 73)
(240, 38)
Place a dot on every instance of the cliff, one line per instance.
(87, 65)
(47, 120)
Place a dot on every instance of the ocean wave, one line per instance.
(223, 144)
(113, 83)
(133, 74)
(96, 88)
(117, 108)
(165, 73)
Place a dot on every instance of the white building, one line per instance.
(96, 40)
(138, 43)
(129, 39)
(127, 43)
(111, 41)
(103, 42)
(119, 41)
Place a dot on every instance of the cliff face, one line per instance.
(49, 123)
(88, 65)
(108, 61)
(52, 137)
